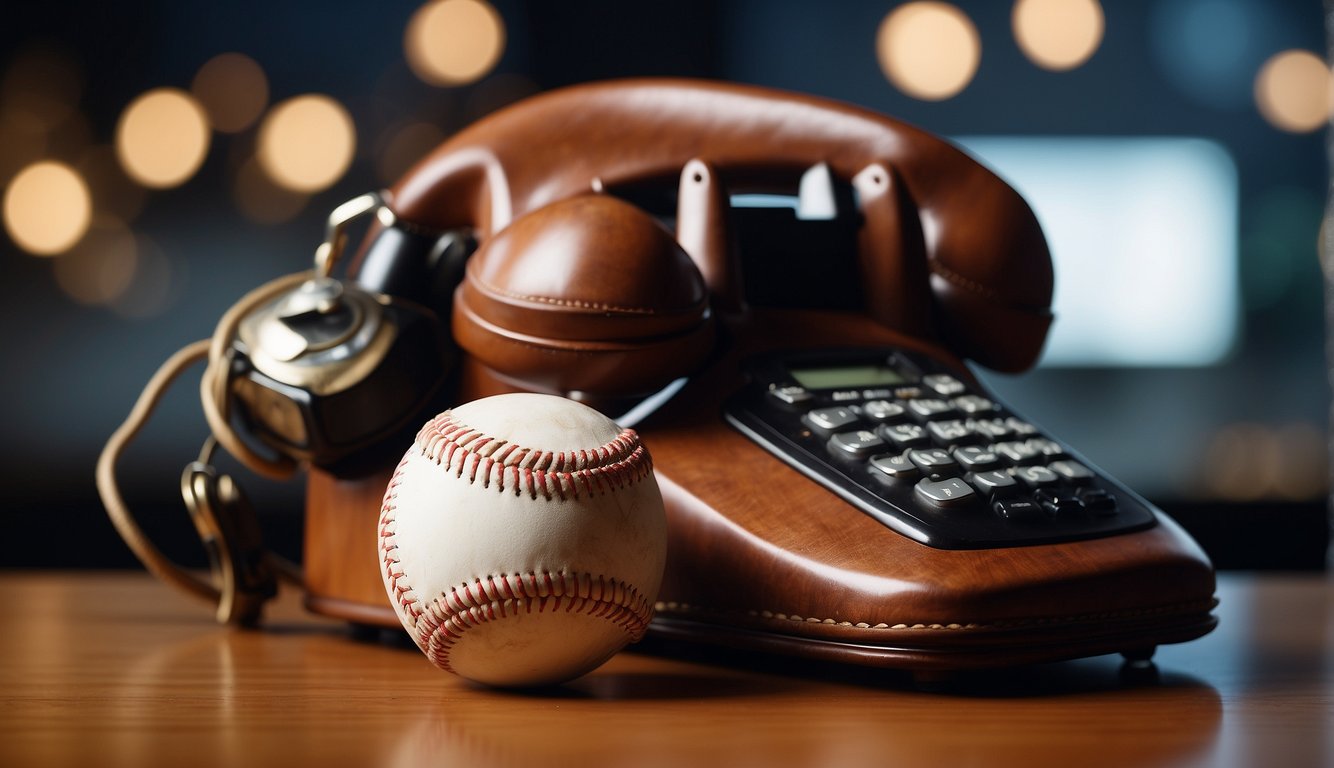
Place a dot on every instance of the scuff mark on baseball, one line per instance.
(522, 539)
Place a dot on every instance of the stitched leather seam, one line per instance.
(676, 607)
(965, 282)
(574, 303)
(448, 618)
(506, 466)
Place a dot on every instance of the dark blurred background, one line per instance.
(161, 159)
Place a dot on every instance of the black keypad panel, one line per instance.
(922, 449)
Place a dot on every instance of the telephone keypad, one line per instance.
(932, 458)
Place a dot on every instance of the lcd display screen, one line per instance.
(848, 376)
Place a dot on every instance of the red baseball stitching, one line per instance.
(507, 466)
(456, 447)
(442, 623)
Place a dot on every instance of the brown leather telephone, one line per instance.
(838, 484)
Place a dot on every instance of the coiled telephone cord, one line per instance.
(213, 391)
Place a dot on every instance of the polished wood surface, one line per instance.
(110, 669)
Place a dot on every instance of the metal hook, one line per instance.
(335, 235)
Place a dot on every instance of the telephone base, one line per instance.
(1028, 648)
(763, 558)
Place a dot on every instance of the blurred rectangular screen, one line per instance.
(1143, 235)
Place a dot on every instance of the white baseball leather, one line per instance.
(523, 539)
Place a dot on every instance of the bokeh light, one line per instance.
(454, 42)
(306, 143)
(162, 138)
(1058, 34)
(928, 50)
(233, 90)
(260, 199)
(47, 208)
(100, 270)
(1293, 91)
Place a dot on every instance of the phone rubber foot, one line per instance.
(1139, 656)
(1139, 668)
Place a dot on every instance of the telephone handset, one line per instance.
(892, 513)
(947, 251)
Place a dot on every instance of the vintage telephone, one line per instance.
(838, 484)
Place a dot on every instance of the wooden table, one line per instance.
(110, 669)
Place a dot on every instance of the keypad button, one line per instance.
(905, 435)
(926, 408)
(883, 411)
(1036, 477)
(791, 395)
(1020, 427)
(993, 483)
(907, 393)
(858, 444)
(845, 395)
(990, 429)
(1072, 472)
(949, 492)
(1098, 502)
(829, 420)
(976, 458)
(1058, 504)
(1048, 449)
(973, 404)
(1017, 452)
(896, 467)
(950, 432)
(933, 461)
(943, 384)
(1019, 511)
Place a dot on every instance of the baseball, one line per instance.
(522, 539)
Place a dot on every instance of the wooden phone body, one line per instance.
(953, 266)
